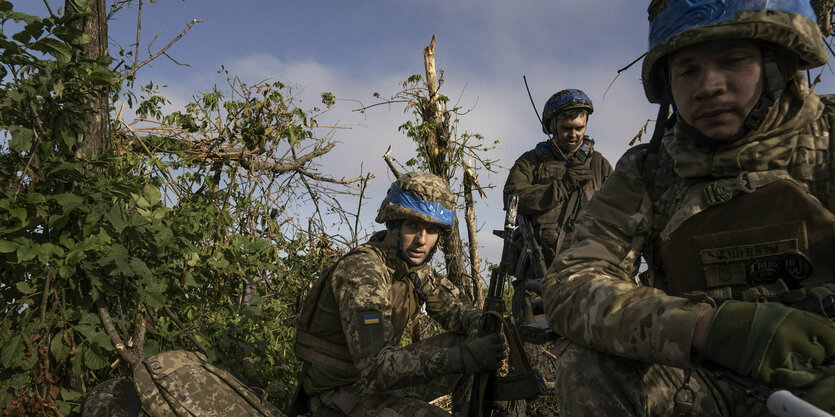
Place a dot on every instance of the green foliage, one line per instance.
(171, 220)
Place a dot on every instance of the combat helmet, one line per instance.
(561, 101)
(677, 24)
(421, 196)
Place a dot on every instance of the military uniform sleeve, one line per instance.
(361, 287)
(590, 293)
(533, 198)
(444, 304)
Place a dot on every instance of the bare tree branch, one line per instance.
(125, 352)
(133, 70)
(390, 163)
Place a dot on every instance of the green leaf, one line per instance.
(65, 407)
(27, 363)
(151, 194)
(102, 340)
(114, 216)
(46, 250)
(19, 213)
(25, 287)
(36, 198)
(26, 253)
(58, 221)
(87, 331)
(21, 138)
(7, 246)
(139, 268)
(71, 35)
(70, 395)
(66, 271)
(93, 360)
(77, 362)
(58, 348)
(68, 202)
(60, 50)
(12, 352)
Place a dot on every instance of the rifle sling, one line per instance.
(568, 208)
(523, 386)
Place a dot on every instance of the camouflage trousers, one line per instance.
(357, 400)
(607, 385)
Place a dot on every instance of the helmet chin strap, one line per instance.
(774, 83)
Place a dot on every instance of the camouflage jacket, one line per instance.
(591, 293)
(357, 296)
(534, 178)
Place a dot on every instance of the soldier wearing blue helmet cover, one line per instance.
(731, 208)
(354, 317)
(545, 177)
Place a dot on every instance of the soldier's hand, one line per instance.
(578, 174)
(822, 395)
(483, 354)
(770, 342)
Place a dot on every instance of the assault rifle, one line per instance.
(529, 272)
(522, 381)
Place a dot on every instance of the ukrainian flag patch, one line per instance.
(370, 318)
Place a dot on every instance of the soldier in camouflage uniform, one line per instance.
(731, 207)
(354, 317)
(545, 177)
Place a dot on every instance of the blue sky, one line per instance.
(355, 48)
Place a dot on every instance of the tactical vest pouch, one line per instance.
(403, 298)
(738, 245)
(183, 384)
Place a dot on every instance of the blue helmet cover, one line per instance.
(403, 198)
(681, 15)
(573, 96)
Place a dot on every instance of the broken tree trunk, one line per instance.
(437, 156)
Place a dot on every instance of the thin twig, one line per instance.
(182, 327)
(46, 3)
(138, 31)
(175, 61)
(390, 163)
(160, 52)
(359, 208)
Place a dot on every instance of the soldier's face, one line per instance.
(417, 239)
(716, 84)
(570, 132)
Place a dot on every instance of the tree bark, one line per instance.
(437, 157)
(94, 25)
(475, 262)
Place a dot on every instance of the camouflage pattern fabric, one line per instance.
(591, 293)
(183, 384)
(608, 385)
(534, 178)
(428, 187)
(357, 400)
(361, 283)
(115, 397)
